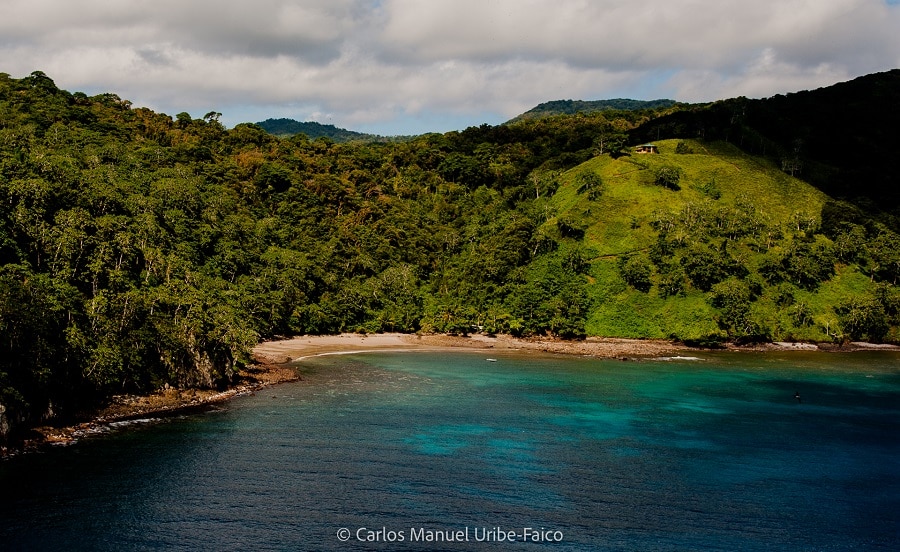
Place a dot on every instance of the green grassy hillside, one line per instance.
(732, 249)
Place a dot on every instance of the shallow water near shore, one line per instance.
(713, 453)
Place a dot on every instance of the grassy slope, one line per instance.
(619, 223)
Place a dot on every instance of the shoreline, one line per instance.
(125, 409)
(273, 359)
(301, 347)
(283, 351)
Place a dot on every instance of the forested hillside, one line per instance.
(138, 249)
(289, 127)
(573, 107)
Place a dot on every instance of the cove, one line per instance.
(427, 450)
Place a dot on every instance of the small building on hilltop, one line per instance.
(646, 148)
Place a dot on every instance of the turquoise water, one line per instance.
(578, 454)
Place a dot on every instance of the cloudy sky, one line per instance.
(411, 66)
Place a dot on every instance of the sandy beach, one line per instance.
(288, 350)
(273, 365)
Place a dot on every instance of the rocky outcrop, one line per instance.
(200, 367)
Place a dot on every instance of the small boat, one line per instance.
(491, 359)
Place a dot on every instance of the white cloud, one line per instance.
(365, 61)
(636, 35)
(765, 76)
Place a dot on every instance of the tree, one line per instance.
(732, 298)
(551, 298)
(636, 271)
(396, 302)
(801, 314)
(543, 181)
(671, 280)
(863, 318)
(847, 242)
(883, 255)
(667, 176)
(610, 142)
(791, 165)
(183, 119)
(589, 183)
(807, 265)
(705, 267)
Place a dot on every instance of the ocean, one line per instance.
(457, 451)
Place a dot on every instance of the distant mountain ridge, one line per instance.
(571, 107)
(313, 130)
(291, 127)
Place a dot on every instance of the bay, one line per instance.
(422, 450)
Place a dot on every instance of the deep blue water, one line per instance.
(712, 454)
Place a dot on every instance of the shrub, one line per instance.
(710, 189)
(683, 148)
(636, 272)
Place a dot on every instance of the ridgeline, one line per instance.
(573, 107)
(140, 250)
(285, 128)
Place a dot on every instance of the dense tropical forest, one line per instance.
(139, 250)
